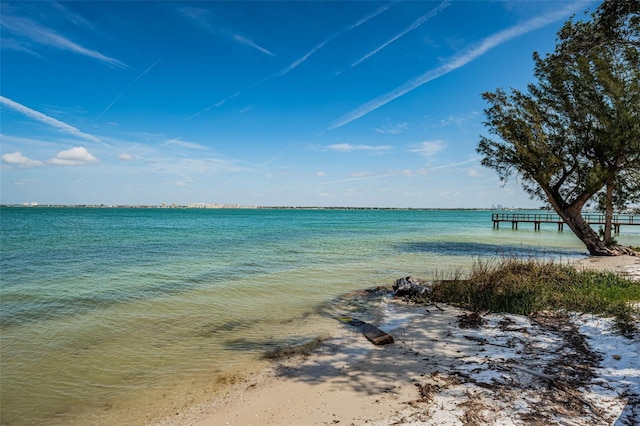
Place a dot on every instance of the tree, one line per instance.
(616, 27)
(575, 135)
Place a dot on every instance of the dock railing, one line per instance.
(539, 218)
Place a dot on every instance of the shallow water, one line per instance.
(124, 315)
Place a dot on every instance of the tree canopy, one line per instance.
(574, 136)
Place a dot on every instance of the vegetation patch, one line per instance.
(527, 286)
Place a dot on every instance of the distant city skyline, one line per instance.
(362, 104)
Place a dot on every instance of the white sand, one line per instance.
(625, 265)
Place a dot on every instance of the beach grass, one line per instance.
(526, 286)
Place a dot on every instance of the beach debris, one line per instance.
(410, 288)
(434, 384)
(370, 331)
(484, 341)
(470, 320)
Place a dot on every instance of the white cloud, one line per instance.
(394, 129)
(406, 172)
(428, 148)
(480, 49)
(458, 119)
(22, 182)
(411, 172)
(196, 15)
(125, 157)
(321, 174)
(45, 119)
(73, 17)
(355, 178)
(474, 173)
(347, 147)
(11, 44)
(19, 159)
(23, 140)
(77, 156)
(363, 174)
(199, 166)
(184, 144)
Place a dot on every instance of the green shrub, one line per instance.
(526, 286)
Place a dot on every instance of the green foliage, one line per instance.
(527, 286)
(574, 136)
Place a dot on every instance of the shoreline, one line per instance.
(440, 373)
(625, 265)
(146, 324)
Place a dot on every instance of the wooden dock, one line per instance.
(539, 218)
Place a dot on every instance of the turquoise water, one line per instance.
(123, 315)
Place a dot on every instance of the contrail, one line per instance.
(248, 42)
(302, 59)
(128, 87)
(331, 37)
(42, 35)
(461, 163)
(45, 119)
(483, 47)
(442, 6)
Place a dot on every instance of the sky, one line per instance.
(292, 103)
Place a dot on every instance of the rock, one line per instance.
(410, 287)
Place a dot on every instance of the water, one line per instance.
(113, 316)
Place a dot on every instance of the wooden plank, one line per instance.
(370, 331)
(375, 335)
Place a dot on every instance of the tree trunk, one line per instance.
(608, 215)
(586, 234)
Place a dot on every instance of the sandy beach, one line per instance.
(628, 266)
(448, 367)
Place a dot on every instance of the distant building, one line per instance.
(217, 206)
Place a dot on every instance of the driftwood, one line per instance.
(370, 331)
(410, 287)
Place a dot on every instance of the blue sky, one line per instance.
(308, 103)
